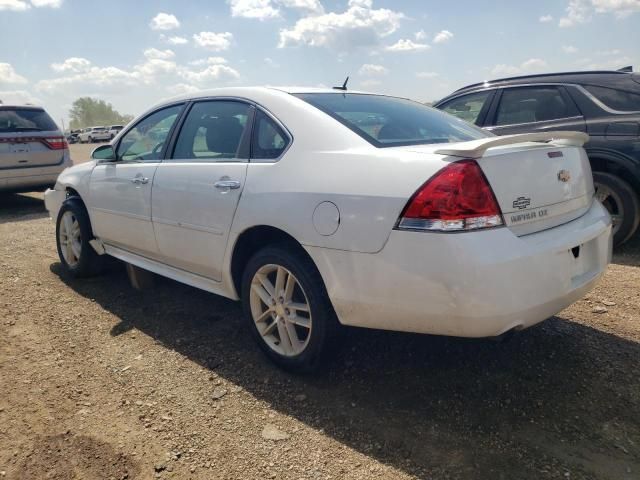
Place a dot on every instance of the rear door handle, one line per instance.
(230, 184)
(140, 180)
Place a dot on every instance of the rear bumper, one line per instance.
(29, 179)
(474, 284)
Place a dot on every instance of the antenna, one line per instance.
(344, 85)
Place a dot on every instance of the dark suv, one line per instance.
(604, 104)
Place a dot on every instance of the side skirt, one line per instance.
(176, 274)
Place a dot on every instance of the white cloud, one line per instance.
(360, 25)
(14, 5)
(213, 73)
(621, 8)
(181, 88)
(164, 21)
(528, 66)
(102, 78)
(8, 76)
(47, 3)
(407, 45)
(581, 11)
(421, 35)
(545, 19)
(175, 40)
(213, 41)
(426, 74)
(18, 97)
(310, 5)
(72, 64)
(154, 53)
(208, 61)
(569, 49)
(271, 62)
(259, 9)
(369, 69)
(443, 36)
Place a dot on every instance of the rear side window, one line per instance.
(25, 120)
(533, 104)
(212, 131)
(616, 99)
(468, 107)
(268, 140)
(391, 121)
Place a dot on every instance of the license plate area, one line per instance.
(19, 148)
(583, 261)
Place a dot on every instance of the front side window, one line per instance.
(533, 104)
(146, 140)
(212, 131)
(268, 141)
(468, 107)
(616, 99)
(390, 121)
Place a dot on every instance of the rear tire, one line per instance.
(621, 201)
(291, 317)
(73, 233)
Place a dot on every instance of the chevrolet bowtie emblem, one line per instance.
(564, 176)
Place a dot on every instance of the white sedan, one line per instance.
(318, 207)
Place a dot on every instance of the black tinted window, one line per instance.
(25, 120)
(536, 104)
(269, 141)
(467, 107)
(616, 99)
(389, 121)
(213, 130)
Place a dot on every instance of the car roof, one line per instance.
(28, 106)
(615, 79)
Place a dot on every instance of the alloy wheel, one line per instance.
(70, 238)
(280, 310)
(613, 203)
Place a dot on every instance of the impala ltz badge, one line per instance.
(564, 176)
(521, 203)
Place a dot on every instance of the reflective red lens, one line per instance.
(452, 199)
(55, 143)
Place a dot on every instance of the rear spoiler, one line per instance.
(476, 148)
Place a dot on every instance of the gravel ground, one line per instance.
(100, 381)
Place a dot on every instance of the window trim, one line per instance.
(123, 133)
(493, 115)
(483, 114)
(282, 127)
(601, 104)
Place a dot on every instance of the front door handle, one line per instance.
(230, 184)
(140, 180)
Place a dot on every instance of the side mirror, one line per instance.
(104, 152)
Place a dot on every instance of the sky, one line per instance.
(135, 53)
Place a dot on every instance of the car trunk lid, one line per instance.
(29, 149)
(540, 180)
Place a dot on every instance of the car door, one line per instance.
(120, 191)
(533, 109)
(472, 107)
(196, 190)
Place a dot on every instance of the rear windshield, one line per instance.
(25, 120)
(389, 121)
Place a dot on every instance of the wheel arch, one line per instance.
(253, 239)
(618, 164)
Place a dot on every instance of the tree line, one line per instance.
(89, 112)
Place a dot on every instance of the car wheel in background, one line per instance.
(287, 308)
(620, 199)
(73, 233)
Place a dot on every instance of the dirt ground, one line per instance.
(100, 381)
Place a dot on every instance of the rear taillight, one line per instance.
(55, 143)
(457, 198)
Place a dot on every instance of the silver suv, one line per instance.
(33, 150)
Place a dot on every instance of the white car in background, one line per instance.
(319, 207)
(114, 130)
(33, 150)
(94, 134)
